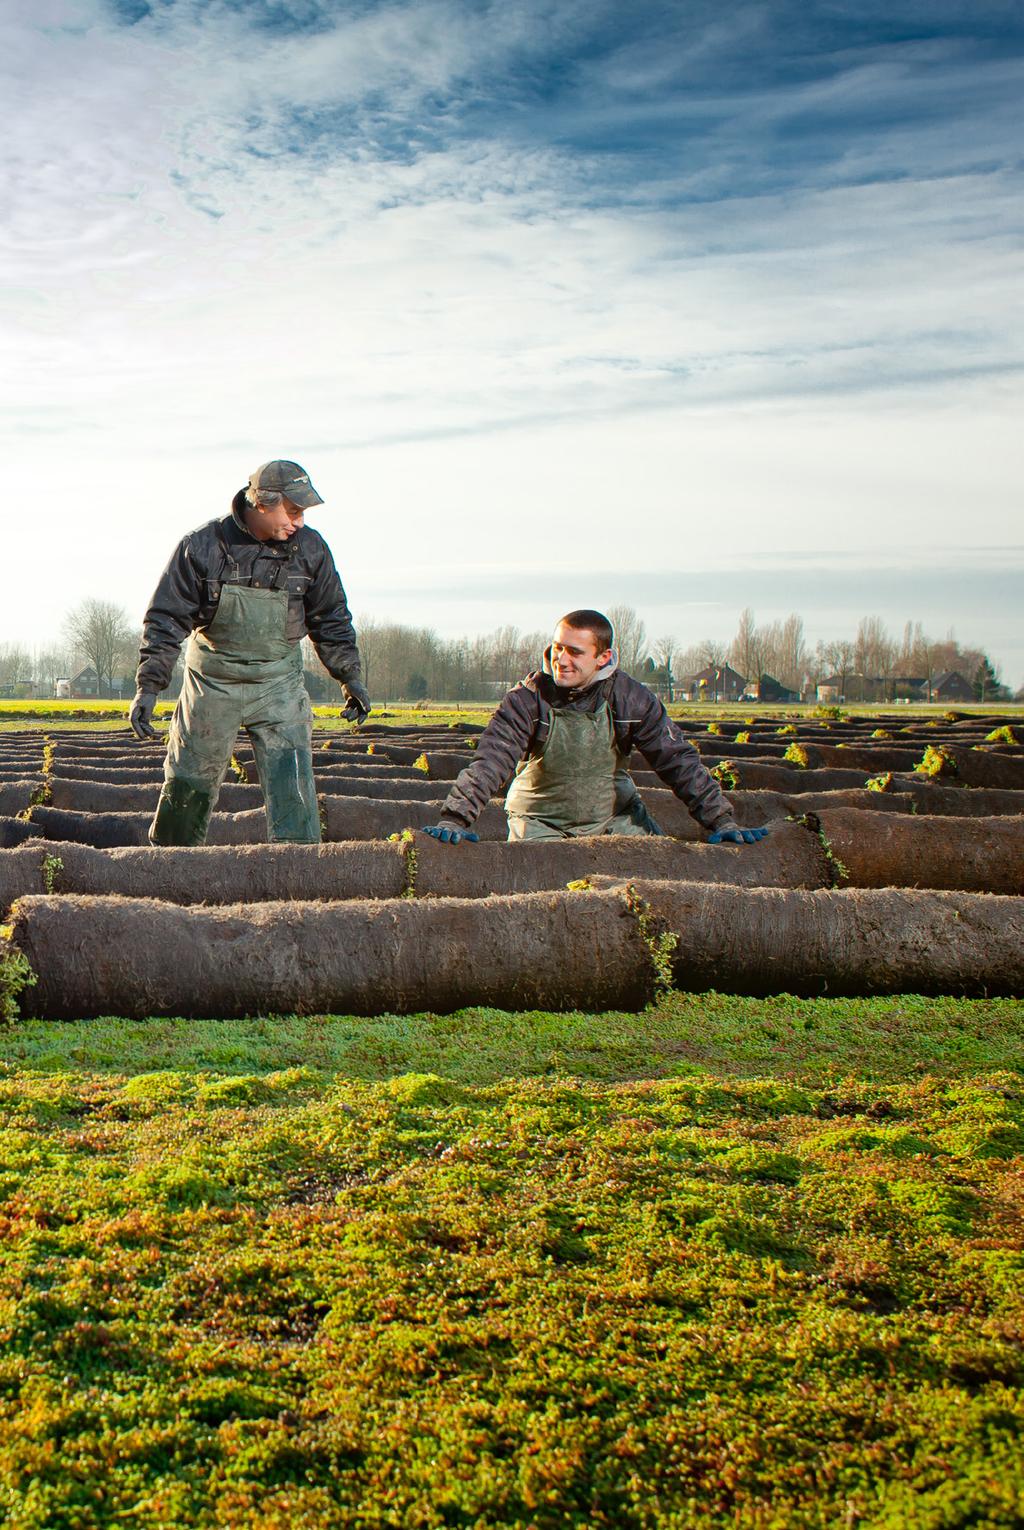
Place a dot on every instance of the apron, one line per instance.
(577, 784)
(241, 671)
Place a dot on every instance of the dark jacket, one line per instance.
(520, 726)
(189, 590)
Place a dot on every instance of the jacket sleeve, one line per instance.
(329, 621)
(672, 757)
(500, 747)
(172, 614)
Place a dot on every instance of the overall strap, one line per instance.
(229, 559)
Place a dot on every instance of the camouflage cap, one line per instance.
(287, 478)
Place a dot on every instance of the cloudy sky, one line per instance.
(691, 304)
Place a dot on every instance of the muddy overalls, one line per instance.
(576, 784)
(241, 671)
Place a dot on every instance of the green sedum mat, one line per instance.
(516, 1270)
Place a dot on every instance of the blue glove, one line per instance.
(451, 834)
(737, 836)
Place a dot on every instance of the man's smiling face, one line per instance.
(575, 656)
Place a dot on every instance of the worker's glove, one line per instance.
(141, 715)
(736, 836)
(358, 699)
(452, 833)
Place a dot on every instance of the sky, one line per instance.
(690, 306)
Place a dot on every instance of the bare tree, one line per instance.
(792, 655)
(15, 666)
(630, 638)
(714, 652)
(838, 659)
(102, 633)
(745, 651)
(50, 665)
(505, 655)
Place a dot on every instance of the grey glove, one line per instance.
(141, 715)
(358, 699)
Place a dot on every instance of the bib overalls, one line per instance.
(576, 784)
(241, 671)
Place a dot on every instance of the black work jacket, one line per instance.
(189, 589)
(520, 726)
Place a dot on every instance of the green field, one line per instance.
(727, 1262)
(107, 715)
(724, 1263)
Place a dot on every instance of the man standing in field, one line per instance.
(567, 732)
(244, 590)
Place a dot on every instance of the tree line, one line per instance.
(402, 662)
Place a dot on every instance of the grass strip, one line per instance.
(280, 1299)
(889, 1038)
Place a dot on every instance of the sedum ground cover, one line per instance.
(728, 1262)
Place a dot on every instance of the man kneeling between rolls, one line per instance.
(567, 732)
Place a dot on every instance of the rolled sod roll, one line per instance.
(381, 789)
(893, 850)
(979, 767)
(111, 775)
(752, 774)
(369, 768)
(959, 801)
(14, 831)
(859, 799)
(112, 829)
(229, 873)
(15, 796)
(867, 758)
(849, 942)
(791, 856)
(99, 797)
(21, 872)
(136, 956)
(358, 817)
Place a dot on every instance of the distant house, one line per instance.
(718, 682)
(951, 686)
(85, 683)
(767, 688)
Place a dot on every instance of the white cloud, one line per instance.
(496, 346)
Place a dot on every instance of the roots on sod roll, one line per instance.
(851, 942)
(896, 850)
(137, 957)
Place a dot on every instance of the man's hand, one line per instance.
(735, 836)
(358, 699)
(141, 715)
(452, 833)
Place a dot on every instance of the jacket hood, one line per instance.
(604, 673)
